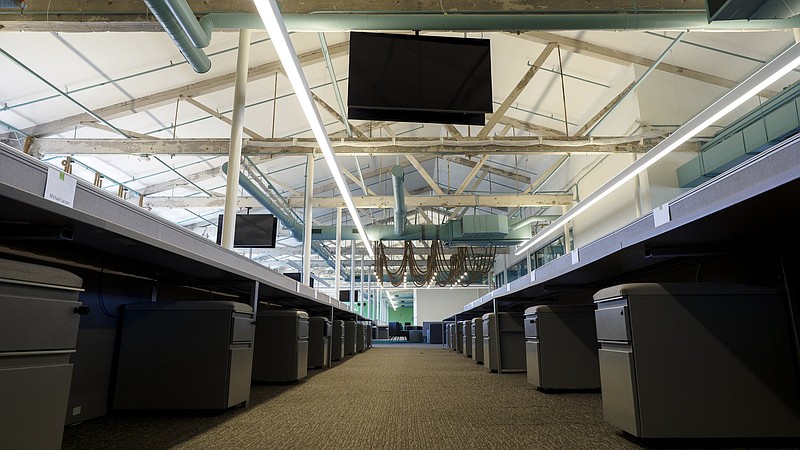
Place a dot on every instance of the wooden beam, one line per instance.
(515, 93)
(181, 182)
(382, 201)
(133, 134)
(424, 173)
(453, 130)
(617, 56)
(194, 102)
(527, 126)
(613, 103)
(388, 130)
(488, 168)
(471, 174)
(444, 201)
(337, 116)
(164, 97)
(358, 183)
(542, 178)
(374, 146)
(457, 214)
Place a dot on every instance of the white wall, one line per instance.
(612, 212)
(435, 304)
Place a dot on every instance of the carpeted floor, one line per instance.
(393, 396)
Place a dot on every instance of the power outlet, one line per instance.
(76, 411)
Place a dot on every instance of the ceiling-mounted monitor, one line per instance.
(751, 9)
(427, 79)
(252, 231)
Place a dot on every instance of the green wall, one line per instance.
(401, 315)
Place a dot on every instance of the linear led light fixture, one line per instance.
(273, 22)
(768, 74)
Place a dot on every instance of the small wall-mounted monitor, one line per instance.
(344, 295)
(297, 276)
(427, 79)
(252, 231)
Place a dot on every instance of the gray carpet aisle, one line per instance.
(394, 396)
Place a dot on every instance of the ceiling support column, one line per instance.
(307, 218)
(237, 126)
(338, 252)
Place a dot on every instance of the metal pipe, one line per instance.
(199, 36)
(194, 56)
(399, 201)
(237, 126)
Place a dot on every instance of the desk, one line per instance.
(749, 210)
(126, 254)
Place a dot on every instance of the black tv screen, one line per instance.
(252, 231)
(426, 79)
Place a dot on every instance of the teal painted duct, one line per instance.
(336, 21)
(344, 21)
(399, 201)
(196, 58)
(183, 14)
(190, 35)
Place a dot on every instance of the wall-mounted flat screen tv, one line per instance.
(252, 231)
(427, 79)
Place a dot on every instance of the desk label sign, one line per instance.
(60, 187)
(661, 215)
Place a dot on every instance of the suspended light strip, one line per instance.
(273, 22)
(770, 73)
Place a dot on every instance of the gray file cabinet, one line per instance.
(350, 340)
(504, 342)
(697, 360)
(337, 340)
(458, 337)
(281, 351)
(451, 337)
(184, 355)
(476, 326)
(435, 333)
(466, 339)
(361, 337)
(319, 342)
(561, 347)
(39, 314)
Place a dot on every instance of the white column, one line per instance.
(352, 273)
(567, 243)
(338, 276)
(235, 154)
(637, 190)
(361, 289)
(307, 219)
